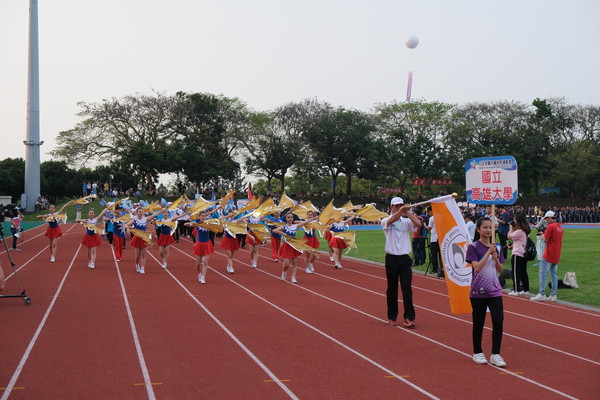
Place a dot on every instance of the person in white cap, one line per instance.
(398, 228)
(549, 261)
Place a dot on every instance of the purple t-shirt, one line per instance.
(485, 283)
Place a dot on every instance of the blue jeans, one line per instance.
(544, 267)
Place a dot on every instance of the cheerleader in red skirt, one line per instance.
(311, 239)
(53, 231)
(337, 244)
(140, 221)
(230, 244)
(165, 238)
(287, 252)
(91, 239)
(203, 247)
(251, 240)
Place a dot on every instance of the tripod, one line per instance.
(26, 299)
(428, 247)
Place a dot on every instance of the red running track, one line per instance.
(111, 333)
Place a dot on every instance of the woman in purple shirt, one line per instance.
(486, 292)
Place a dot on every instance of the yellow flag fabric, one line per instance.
(124, 218)
(176, 203)
(370, 213)
(260, 231)
(453, 240)
(97, 229)
(145, 236)
(225, 199)
(214, 225)
(57, 217)
(285, 202)
(349, 238)
(302, 209)
(236, 228)
(332, 214)
(267, 207)
(199, 205)
(152, 208)
(298, 244)
(84, 200)
(251, 205)
(170, 224)
(116, 203)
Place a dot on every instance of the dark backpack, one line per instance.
(530, 250)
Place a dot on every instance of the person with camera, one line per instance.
(518, 233)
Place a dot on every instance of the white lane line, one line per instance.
(17, 372)
(254, 358)
(350, 349)
(136, 340)
(541, 385)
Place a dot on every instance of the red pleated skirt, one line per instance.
(203, 248)
(91, 240)
(337, 243)
(165, 240)
(138, 242)
(313, 242)
(328, 236)
(287, 251)
(53, 233)
(228, 243)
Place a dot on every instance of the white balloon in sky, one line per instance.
(411, 41)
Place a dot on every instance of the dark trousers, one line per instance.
(399, 267)
(519, 271)
(480, 306)
(14, 232)
(502, 239)
(436, 258)
(419, 250)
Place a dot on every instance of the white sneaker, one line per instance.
(497, 360)
(51, 258)
(253, 264)
(293, 280)
(539, 297)
(142, 270)
(338, 266)
(552, 298)
(164, 265)
(312, 268)
(330, 258)
(283, 274)
(308, 271)
(479, 358)
(201, 278)
(522, 293)
(92, 266)
(513, 293)
(137, 268)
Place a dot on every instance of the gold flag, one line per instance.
(170, 224)
(332, 214)
(370, 213)
(267, 207)
(199, 205)
(349, 238)
(298, 244)
(317, 226)
(252, 204)
(57, 217)
(285, 202)
(116, 203)
(176, 203)
(91, 227)
(225, 199)
(302, 209)
(124, 218)
(84, 200)
(145, 236)
(236, 228)
(260, 231)
(152, 208)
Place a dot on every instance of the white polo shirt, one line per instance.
(398, 235)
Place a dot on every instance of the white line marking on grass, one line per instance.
(138, 347)
(17, 372)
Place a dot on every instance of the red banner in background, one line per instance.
(391, 190)
(424, 181)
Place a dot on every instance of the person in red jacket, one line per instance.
(549, 261)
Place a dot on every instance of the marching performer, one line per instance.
(167, 226)
(230, 244)
(53, 231)
(252, 240)
(311, 239)
(119, 233)
(140, 223)
(91, 239)
(338, 244)
(203, 247)
(286, 251)
(275, 237)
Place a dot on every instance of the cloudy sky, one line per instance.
(269, 52)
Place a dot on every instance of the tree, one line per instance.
(59, 181)
(339, 140)
(12, 177)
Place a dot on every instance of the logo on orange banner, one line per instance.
(454, 253)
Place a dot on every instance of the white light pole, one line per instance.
(32, 142)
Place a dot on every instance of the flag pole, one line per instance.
(443, 198)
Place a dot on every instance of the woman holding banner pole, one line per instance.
(486, 292)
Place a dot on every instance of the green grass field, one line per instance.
(580, 254)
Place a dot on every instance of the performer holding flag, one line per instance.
(287, 251)
(141, 238)
(54, 232)
(91, 239)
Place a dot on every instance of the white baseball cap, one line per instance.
(396, 200)
(549, 214)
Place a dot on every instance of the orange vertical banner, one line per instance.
(453, 239)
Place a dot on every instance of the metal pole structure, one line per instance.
(32, 142)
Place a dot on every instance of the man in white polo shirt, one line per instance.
(398, 228)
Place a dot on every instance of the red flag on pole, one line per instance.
(250, 196)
